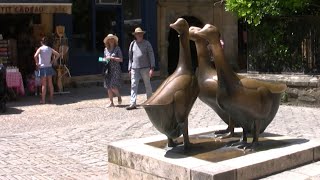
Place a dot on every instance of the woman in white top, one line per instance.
(44, 65)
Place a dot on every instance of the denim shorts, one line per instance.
(46, 71)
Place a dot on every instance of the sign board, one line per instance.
(35, 1)
(34, 8)
(109, 2)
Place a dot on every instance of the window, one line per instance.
(81, 37)
(132, 19)
(105, 24)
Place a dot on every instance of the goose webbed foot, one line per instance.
(173, 143)
(240, 144)
(227, 133)
(221, 132)
(235, 143)
(251, 147)
(225, 136)
(245, 145)
(187, 146)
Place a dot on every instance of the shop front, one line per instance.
(85, 23)
(196, 13)
(23, 24)
(94, 19)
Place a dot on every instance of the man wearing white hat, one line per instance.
(141, 65)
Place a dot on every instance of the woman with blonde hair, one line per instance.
(113, 56)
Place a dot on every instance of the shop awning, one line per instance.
(35, 8)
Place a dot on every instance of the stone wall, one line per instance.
(302, 89)
(302, 96)
(204, 10)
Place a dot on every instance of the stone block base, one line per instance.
(209, 158)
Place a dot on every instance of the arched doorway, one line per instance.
(173, 48)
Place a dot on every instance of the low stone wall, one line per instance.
(302, 89)
(292, 80)
(307, 95)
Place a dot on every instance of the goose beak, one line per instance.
(194, 29)
(179, 25)
(192, 32)
(209, 32)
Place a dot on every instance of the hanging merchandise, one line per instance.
(61, 45)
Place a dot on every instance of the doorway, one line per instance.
(173, 48)
(242, 45)
(106, 21)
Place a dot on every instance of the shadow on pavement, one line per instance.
(11, 110)
(79, 94)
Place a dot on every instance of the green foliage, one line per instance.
(253, 11)
(276, 44)
(284, 97)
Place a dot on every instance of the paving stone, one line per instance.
(309, 170)
(287, 175)
(71, 137)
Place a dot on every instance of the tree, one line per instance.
(253, 11)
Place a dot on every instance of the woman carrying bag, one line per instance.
(113, 56)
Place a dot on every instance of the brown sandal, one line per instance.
(110, 105)
(119, 100)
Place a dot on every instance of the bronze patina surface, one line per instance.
(168, 108)
(208, 80)
(208, 148)
(250, 103)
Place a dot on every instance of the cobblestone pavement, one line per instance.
(68, 139)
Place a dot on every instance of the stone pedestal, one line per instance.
(210, 158)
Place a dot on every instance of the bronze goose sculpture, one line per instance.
(251, 103)
(208, 81)
(168, 108)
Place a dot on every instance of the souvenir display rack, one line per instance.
(8, 52)
(61, 45)
(4, 52)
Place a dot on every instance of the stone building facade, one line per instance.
(197, 12)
